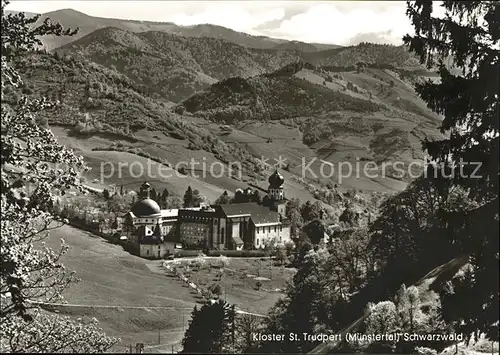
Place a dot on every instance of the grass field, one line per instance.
(173, 151)
(287, 143)
(160, 176)
(391, 135)
(123, 292)
(136, 300)
(238, 281)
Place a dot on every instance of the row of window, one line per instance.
(193, 229)
(155, 221)
(164, 229)
(206, 219)
(257, 241)
(197, 218)
(268, 229)
(148, 221)
(147, 250)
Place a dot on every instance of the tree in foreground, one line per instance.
(383, 319)
(33, 167)
(469, 33)
(304, 309)
(211, 329)
(246, 326)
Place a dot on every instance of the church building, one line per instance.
(150, 227)
(258, 225)
(235, 226)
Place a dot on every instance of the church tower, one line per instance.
(276, 194)
(145, 190)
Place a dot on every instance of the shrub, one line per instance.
(215, 289)
(425, 351)
(281, 255)
(80, 126)
(239, 253)
(179, 253)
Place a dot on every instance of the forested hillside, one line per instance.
(172, 66)
(93, 99)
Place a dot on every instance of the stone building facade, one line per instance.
(234, 226)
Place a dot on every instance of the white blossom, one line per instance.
(34, 167)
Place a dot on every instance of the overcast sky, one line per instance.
(336, 22)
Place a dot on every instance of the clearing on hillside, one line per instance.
(120, 290)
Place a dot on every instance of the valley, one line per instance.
(217, 184)
(345, 116)
(294, 115)
(139, 303)
(139, 300)
(324, 126)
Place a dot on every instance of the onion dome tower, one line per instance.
(276, 194)
(146, 207)
(275, 190)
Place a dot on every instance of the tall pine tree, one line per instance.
(153, 195)
(188, 197)
(211, 329)
(164, 195)
(469, 34)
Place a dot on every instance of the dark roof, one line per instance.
(145, 208)
(258, 213)
(276, 180)
(266, 216)
(148, 238)
(151, 240)
(237, 240)
(235, 209)
(172, 237)
(141, 231)
(157, 231)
